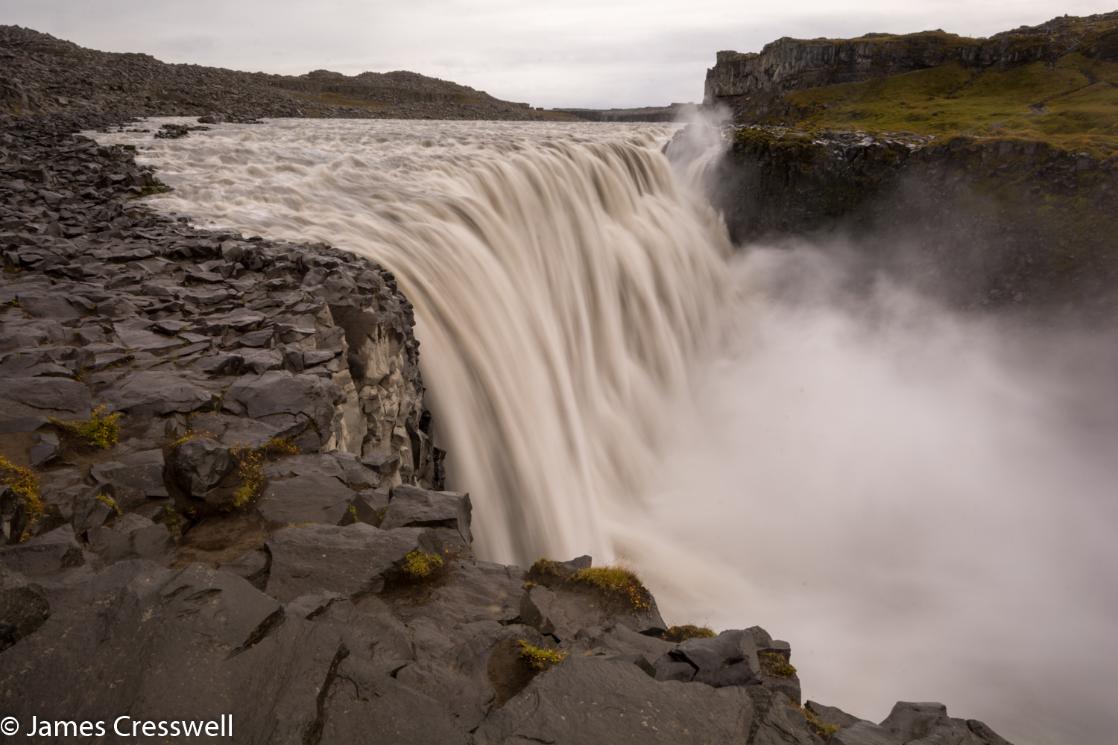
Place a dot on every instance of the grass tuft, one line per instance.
(687, 631)
(776, 665)
(25, 485)
(540, 658)
(109, 502)
(821, 728)
(101, 430)
(616, 582)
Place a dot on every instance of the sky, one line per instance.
(593, 53)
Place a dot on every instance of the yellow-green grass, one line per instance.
(540, 658)
(1072, 104)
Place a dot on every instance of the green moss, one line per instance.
(687, 631)
(616, 582)
(776, 665)
(250, 471)
(1072, 104)
(545, 568)
(821, 728)
(420, 565)
(540, 658)
(278, 446)
(189, 435)
(25, 485)
(109, 502)
(101, 430)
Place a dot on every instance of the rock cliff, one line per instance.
(754, 83)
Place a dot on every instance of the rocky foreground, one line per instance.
(220, 496)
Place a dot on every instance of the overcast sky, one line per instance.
(572, 53)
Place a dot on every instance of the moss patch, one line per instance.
(109, 502)
(420, 565)
(687, 631)
(818, 726)
(540, 658)
(101, 430)
(250, 471)
(616, 582)
(25, 485)
(776, 665)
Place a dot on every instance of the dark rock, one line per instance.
(28, 403)
(347, 560)
(23, 608)
(46, 554)
(584, 700)
(198, 465)
(409, 506)
(132, 536)
(134, 477)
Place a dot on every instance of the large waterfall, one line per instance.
(918, 500)
(562, 276)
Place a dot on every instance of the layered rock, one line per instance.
(752, 83)
(982, 223)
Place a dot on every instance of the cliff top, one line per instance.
(1056, 82)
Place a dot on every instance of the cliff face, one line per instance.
(753, 83)
(1005, 223)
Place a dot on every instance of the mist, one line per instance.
(921, 501)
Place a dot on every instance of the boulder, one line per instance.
(45, 554)
(409, 506)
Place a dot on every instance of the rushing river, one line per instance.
(921, 503)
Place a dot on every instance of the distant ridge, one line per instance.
(43, 74)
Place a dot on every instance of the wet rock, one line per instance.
(45, 449)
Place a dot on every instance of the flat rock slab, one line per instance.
(28, 403)
(585, 700)
(347, 560)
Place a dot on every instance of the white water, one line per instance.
(909, 497)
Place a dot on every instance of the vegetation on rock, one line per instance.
(776, 665)
(540, 658)
(101, 430)
(1072, 104)
(420, 565)
(687, 631)
(616, 582)
(25, 485)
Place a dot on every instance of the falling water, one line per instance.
(561, 277)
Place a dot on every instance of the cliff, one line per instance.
(755, 85)
(983, 170)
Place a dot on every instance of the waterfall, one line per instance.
(562, 278)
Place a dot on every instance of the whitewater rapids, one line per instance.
(912, 498)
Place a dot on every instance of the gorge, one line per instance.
(692, 351)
